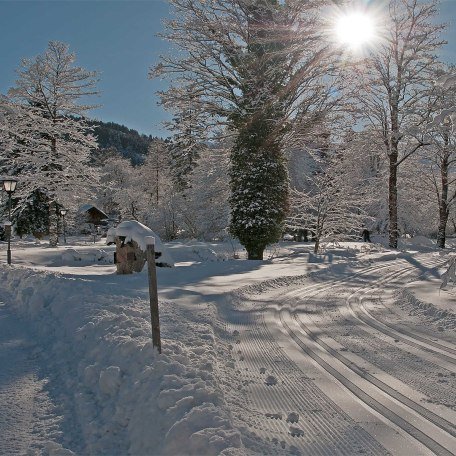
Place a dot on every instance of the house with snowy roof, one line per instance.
(91, 214)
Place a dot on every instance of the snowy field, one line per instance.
(349, 352)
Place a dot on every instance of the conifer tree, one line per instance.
(247, 67)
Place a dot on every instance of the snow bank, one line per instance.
(132, 230)
(192, 251)
(444, 319)
(124, 396)
(71, 255)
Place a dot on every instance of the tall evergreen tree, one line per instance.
(248, 66)
(32, 216)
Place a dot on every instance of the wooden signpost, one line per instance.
(153, 292)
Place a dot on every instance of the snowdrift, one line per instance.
(132, 230)
(94, 336)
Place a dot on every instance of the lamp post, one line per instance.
(9, 185)
(63, 212)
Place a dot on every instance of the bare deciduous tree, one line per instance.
(52, 148)
(397, 78)
(252, 67)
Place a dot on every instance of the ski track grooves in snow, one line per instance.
(436, 419)
(368, 399)
(325, 427)
(440, 349)
(443, 444)
(405, 424)
(405, 336)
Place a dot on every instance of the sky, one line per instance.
(116, 38)
(119, 39)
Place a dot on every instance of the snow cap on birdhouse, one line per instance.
(132, 230)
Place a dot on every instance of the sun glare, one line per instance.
(355, 29)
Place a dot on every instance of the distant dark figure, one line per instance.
(366, 235)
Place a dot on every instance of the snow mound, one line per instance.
(193, 252)
(204, 430)
(110, 380)
(127, 398)
(98, 256)
(132, 230)
(443, 318)
(421, 243)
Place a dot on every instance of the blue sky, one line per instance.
(117, 38)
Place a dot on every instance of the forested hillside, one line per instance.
(115, 137)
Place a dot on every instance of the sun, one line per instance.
(355, 29)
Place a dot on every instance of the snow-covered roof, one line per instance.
(85, 207)
(88, 207)
(132, 230)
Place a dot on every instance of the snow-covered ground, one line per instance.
(348, 352)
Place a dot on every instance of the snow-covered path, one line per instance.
(309, 355)
(28, 421)
(314, 366)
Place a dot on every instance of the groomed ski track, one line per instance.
(318, 371)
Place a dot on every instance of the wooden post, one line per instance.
(153, 292)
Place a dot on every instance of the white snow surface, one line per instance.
(79, 353)
(133, 230)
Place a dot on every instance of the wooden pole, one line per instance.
(153, 292)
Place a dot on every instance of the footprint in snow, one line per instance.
(294, 451)
(236, 333)
(262, 370)
(274, 416)
(292, 417)
(270, 380)
(296, 432)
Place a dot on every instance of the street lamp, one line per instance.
(63, 212)
(9, 185)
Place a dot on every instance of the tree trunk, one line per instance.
(54, 146)
(317, 245)
(255, 252)
(443, 219)
(393, 154)
(392, 201)
(53, 225)
(443, 203)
